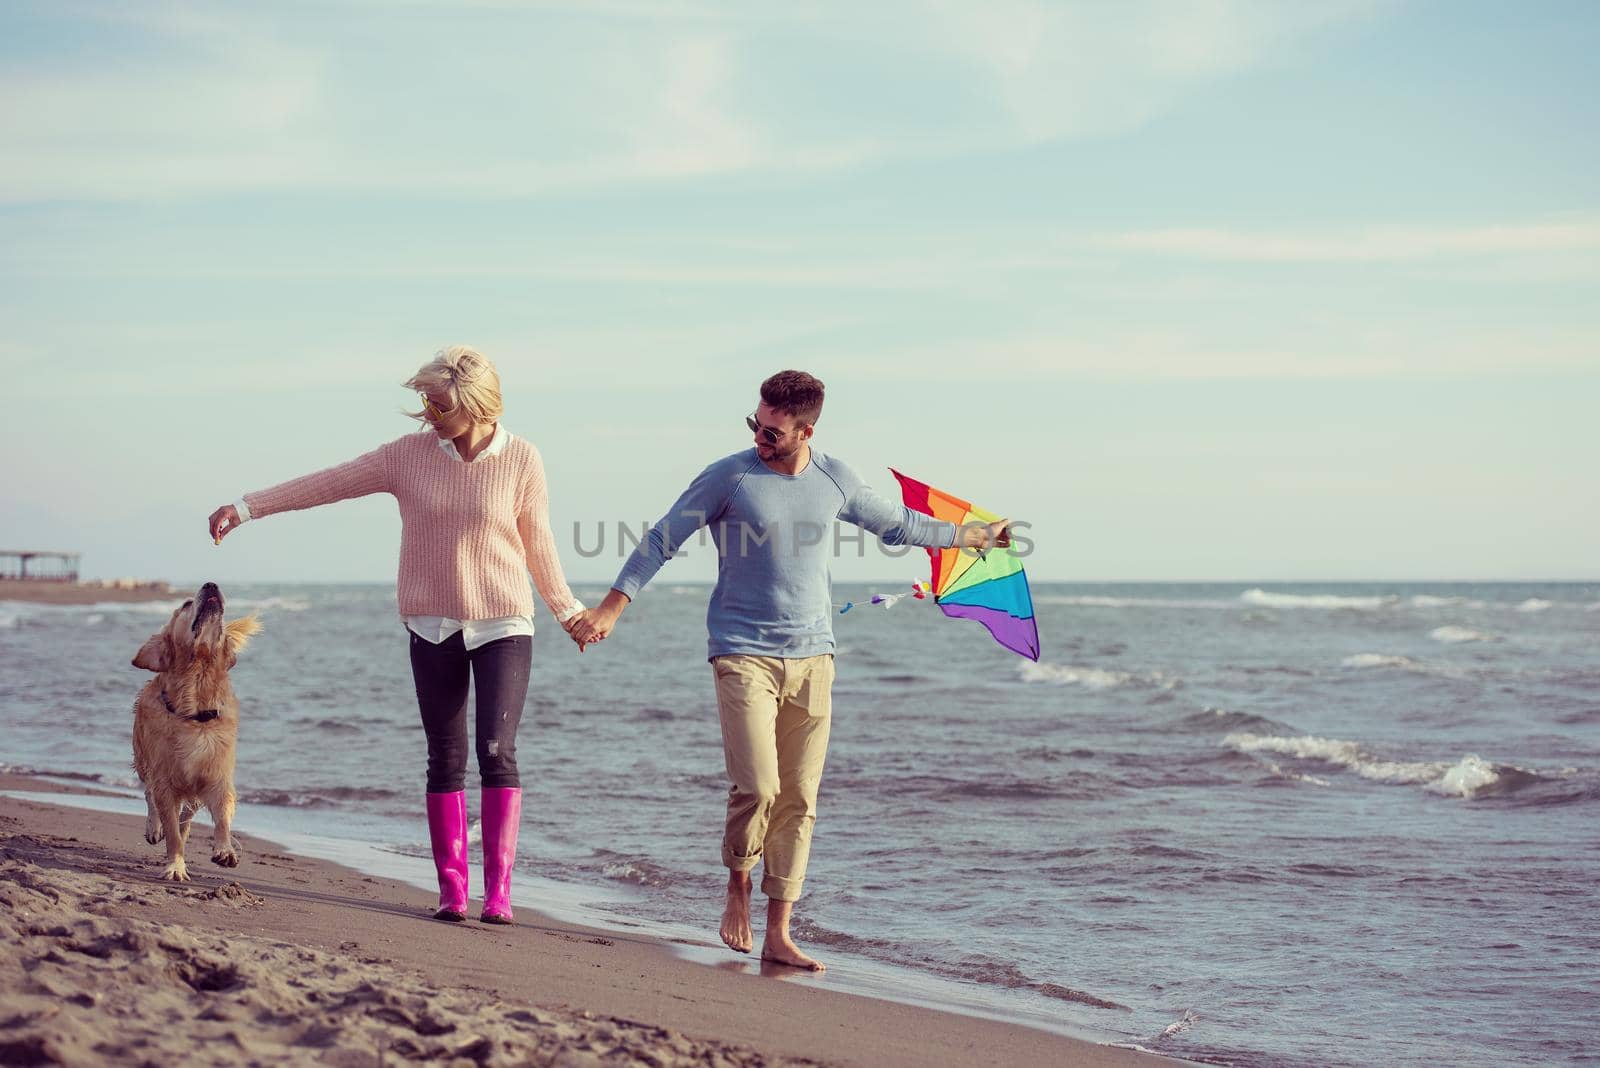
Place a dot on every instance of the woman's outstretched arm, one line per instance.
(366, 474)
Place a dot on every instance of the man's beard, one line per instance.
(773, 453)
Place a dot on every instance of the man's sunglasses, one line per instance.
(772, 436)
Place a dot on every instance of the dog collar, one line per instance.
(205, 715)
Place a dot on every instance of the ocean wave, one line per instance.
(1263, 599)
(1403, 663)
(1368, 660)
(991, 789)
(972, 968)
(655, 714)
(1453, 635)
(143, 608)
(317, 797)
(1077, 785)
(1089, 678)
(1177, 1027)
(1210, 720)
(126, 782)
(637, 871)
(1534, 604)
(1095, 601)
(1426, 600)
(281, 604)
(18, 612)
(1470, 776)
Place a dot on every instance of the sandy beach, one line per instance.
(288, 960)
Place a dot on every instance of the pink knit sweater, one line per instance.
(470, 532)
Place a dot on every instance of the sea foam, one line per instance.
(1099, 601)
(1371, 660)
(1067, 675)
(1464, 778)
(1263, 599)
(1452, 635)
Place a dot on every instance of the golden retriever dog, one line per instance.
(185, 725)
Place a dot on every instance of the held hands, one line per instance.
(223, 521)
(582, 630)
(595, 624)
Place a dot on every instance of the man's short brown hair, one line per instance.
(796, 393)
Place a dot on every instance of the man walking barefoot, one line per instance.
(770, 511)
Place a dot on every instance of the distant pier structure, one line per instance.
(38, 565)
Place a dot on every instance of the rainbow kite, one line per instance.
(989, 587)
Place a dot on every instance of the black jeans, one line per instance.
(499, 674)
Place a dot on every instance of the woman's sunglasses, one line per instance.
(432, 410)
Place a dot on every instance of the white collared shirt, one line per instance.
(437, 629)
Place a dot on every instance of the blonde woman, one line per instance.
(474, 517)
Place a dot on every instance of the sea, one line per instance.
(1244, 824)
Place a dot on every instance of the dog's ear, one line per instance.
(237, 634)
(155, 654)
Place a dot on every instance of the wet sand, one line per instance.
(288, 960)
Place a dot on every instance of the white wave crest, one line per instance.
(1096, 601)
(1425, 600)
(1404, 663)
(1533, 604)
(1067, 675)
(1263, 599)
(281, 604)
(1464, 778)
(8, 620)
(1370, 660)
(1452, 635)
(1178, 1026)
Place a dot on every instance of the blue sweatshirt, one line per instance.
(774, 534)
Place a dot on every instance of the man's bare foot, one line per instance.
(780, 949)
(736, 933)
(777, 946)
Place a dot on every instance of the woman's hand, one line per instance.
(223, 521)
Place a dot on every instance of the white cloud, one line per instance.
(1063, 70)
(1364, 244)
(1397, 350)
(496, 100)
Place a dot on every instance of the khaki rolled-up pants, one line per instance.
(775, 717)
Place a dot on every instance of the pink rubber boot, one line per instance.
(502, 815)
(447, 830)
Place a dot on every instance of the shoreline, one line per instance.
(36, 591)
(740, 1008)
(612, 908)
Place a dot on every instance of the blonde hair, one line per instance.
(468, 376)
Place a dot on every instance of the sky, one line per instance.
(1205, 291)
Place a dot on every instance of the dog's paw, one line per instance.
(227, 858)
(177, 873)
(153, 835)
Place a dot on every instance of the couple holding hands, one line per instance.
(474, 511)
